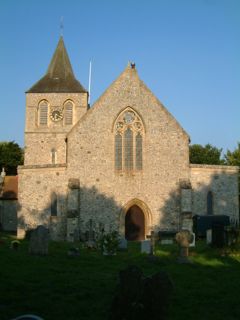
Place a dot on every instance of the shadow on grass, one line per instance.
(63, 287)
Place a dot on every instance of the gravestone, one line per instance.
(39, 241)
(123, 244)
(209, 236)
(193, 242)
(146, 246)
(90, 235)
(153, 237)
(166, 241)
(72, 229)
(141, 298)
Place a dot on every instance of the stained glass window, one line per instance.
(118, 151)
(128, 149)
(129, 132)
(138, 151)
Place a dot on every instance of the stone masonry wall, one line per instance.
(8, 214)
(40, 140)
(87, 159)
(36, 186)
(222, 181)
(104, 191)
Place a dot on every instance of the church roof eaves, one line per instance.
(59, 76)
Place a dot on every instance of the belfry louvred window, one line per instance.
(68, 113)
(129, 131)
(43, 113)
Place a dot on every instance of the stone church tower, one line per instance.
(53, 106)
(122, 164)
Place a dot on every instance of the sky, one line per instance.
(186, 51)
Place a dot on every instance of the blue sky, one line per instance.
(186, 51)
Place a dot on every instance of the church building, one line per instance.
(121, 164)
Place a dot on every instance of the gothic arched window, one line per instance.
(68, 113)
(138, 151)
(128, 130)
(209, 203)
(43, 113)
(118, 151)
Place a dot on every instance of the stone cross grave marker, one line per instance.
(184, 238)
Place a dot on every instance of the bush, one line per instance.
(109, 242)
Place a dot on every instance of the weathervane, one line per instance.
(61, 26)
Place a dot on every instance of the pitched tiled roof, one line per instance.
(10, 188)
(59, 76)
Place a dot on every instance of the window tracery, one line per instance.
(128, 130)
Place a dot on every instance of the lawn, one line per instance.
(61, 287)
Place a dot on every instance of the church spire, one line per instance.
(59, 76)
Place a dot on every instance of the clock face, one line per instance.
(56, 115)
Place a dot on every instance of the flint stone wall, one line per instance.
(222, 181)
(104, 194)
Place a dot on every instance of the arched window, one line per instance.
(139, 151)
(68, 113)
(43, 113)
(118, 151)
(53, 204)
(209, 203)
(128, 149)
(54, 156)
(129, 131)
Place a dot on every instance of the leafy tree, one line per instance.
(11, 155)
(232, 158)
(207, 154)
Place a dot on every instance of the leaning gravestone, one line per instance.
(39, 241)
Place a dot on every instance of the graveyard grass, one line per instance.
(61, 287)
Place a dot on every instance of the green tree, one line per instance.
(232, 158)
(11, 155)
(207, 154)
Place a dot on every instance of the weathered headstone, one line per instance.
(72, 229)
(90, 235)
(166, 241)
(152, 238)
(146, 246)
(39, 239)
(123, 244)
(141, 298)
(209, 236)
(193, 242)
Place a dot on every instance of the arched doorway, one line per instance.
(134, 224)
